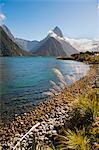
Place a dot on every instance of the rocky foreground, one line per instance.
(50, 114)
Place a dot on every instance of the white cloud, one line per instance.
(2, 17)
(98, 6)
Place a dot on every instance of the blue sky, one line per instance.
(32, 19)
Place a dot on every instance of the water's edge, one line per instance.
(25, 79)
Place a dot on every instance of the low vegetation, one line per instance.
(81, 131)
(91, 57)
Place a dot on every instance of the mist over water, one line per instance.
(23, 81)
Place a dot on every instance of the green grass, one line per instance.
(81, 132)
(74, 140)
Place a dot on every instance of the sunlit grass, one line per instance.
(89, 104)
(74, 140)
(82, 131)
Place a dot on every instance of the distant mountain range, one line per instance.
(26, 45)
(54, 44)
(84, 44)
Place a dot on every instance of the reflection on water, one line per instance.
(23, 80)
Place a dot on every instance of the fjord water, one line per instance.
(24, 79)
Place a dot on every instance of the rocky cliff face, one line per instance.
(7, 45)
(58, 32)
(50, 48)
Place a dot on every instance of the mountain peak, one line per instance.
(58, 31)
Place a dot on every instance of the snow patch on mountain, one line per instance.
(83, 45)
(66, 45)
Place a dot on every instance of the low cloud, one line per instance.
(2, 17)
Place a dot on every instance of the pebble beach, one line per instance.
(50, 114)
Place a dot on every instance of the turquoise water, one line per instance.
(24, 79)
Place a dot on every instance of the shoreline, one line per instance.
(53, 111)
(85, 57)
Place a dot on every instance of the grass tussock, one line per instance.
(74, 140)
(82, 131)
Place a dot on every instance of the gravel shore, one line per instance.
(50, 114)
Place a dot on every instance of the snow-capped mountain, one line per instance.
(83, 45)
(54, 45)
(25, 44)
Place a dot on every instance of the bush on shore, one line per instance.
(91, 57)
